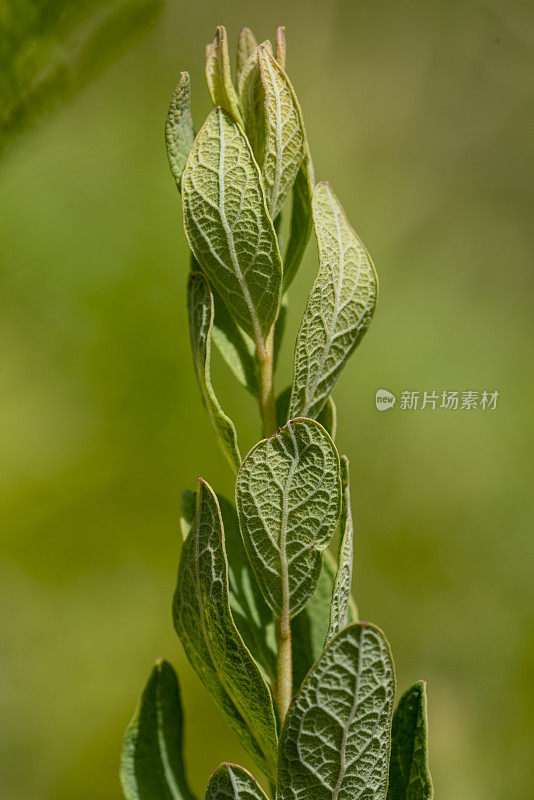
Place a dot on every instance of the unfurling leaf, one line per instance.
(285, 139)
(252, 615)
(246, 47)
(336, 736)
(228, 226)
(281, 46)
(201, 314)
(288, 494)
(409, 775)
(152, 766)
(231, 782)
(301, 222)
(205, 625)
(218, 75)
(342, 586)
(339, 308)
(179, 132)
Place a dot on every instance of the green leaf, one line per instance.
(288, 493)
(279, 330)
(213, 645)
(152, 765)
(201, 314)
(246, 48)
(179, 132)
(336, 736)
(281, 46)
(187, 508)
(252, 615)
(218, 75)
(327, 417)
(230, 782)
(235, 346)
(339, 309)
(343, 582)
(409, 775)
(285, 139)
(301, 222)
(228, 226)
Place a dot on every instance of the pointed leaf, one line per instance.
(336, 736)
(288, 493)
(301, 223)
(228, 227)
(246, 47)
(343, 582)
(205, 625)
(179, 132)
(285, 139)
(339, 308)
(218, 75)
(252, 615)
(281, 46)
(152, 765)
(252, 100)
(201, 314)
(231, 782)
(409, 775)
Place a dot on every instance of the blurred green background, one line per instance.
(421, 115)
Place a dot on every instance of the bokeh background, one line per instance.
(421, 115)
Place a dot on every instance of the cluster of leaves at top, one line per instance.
(263, 609)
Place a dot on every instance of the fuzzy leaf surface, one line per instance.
(179, 131)
(201, 315)
(228, 226)
(246, 47)
(285, 139)
(230, 782)
(343, 581)
(288, 494)
(339, 309)
(152, 765)
(204, 623)
(301, 222)
(327, 417)
(219, 77)
(335, 740)
(409, 775)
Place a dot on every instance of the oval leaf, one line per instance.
(205, 625)
(201, 314)
(231, 782)
(343, 582)
(228, 226)
(285, 139)
(288, 493)
(336, 736)
(409, 775)
(339, 309)
(179, 132)
(152, 764)
(218, 75)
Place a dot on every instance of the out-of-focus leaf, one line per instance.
(152, 764)
(339, 309)
(51, 49)
(246, 47)
(204, 623)
(281, 46)
(228, 226)
(335, 740)
(288, 494)
(343, 582)
(279, 330)
(187, 512)
(230, 782)
(218, 75)
(179, 131)
(201, 314)
(235, 346)
(409, 775)
(285, 138)
(301, 222)
(252, 615)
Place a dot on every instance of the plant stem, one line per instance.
(284, 686)
(267, 397)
